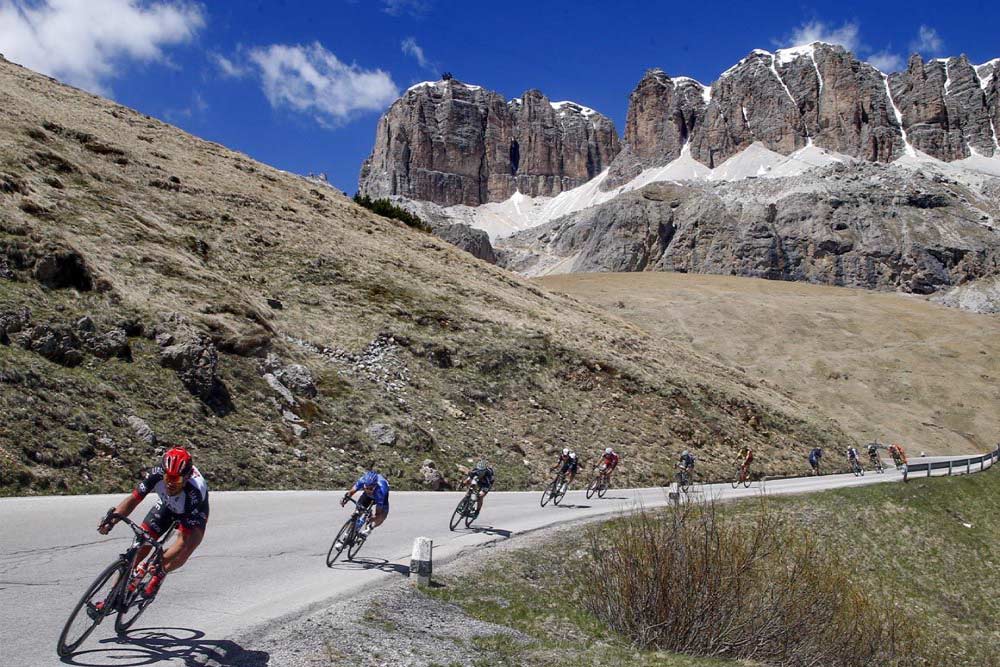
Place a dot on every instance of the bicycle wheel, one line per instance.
(74, 634)
(737, 480)
(604, 489)
(470, 512)
(549, 492)
(344, 536)
(132, 604)
(746, 480)
(456, 516)
(592, 487)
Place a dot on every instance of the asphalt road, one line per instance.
(263, 559)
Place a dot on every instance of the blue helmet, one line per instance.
(370, 478)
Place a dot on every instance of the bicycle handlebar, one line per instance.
(140, 533)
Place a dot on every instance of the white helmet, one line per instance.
(609, 451)
(565, 451)
(572, 455)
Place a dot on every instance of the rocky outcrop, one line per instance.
(818, 94)
(862, 225)
(474, 241)
(453, 143)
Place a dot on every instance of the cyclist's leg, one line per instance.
(381, 512)
(188, 539)
(479, 499)
(157, 521)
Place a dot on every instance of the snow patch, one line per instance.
(566, 105)
(990, 69)
(782, 82)
(435, 84)
(910, 151)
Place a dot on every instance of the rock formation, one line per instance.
(453, 143)
(860, 225)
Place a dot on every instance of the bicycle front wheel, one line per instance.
(456, 516)
(79, 626)
(549, 493)
(344, 536)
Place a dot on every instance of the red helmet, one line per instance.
(177, 461)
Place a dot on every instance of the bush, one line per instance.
(387, 209)
(694, 582)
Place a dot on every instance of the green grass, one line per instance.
(529, 590)
(911, 540)
(905, 543)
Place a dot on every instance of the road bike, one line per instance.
(556, 490)
(353, 533)
(598, 485)
(684, 480)
(897, 460)
(877, 463)
(856, 467)
(119, 589)
(466, 509)
(815, 467)
(742, 477)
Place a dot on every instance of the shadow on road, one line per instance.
(573, 507)
(372, 564)
(150, 646)
(490, 530)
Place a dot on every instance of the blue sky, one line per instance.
(301, 84)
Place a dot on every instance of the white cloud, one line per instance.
(847, 35)
(309, 79)
(229, 68)
(411, 48)
(412, 7)
(928, 42)
(85, 42)
(886, 62)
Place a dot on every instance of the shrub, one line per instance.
(387, 209)
(691, 581)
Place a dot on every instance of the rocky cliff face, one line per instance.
(453, 143)
(818, 94)
(860, 225)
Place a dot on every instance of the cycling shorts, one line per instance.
(571, 466)
(159, 519)
(365, 501)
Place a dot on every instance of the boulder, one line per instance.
(382, 434)
(433, 479)
(141, 429)
(57, 343)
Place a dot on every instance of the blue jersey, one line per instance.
(816, 455)
(381, 493)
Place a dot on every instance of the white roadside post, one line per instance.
(420, 561)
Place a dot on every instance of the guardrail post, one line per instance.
(904, 472)
(928, 469)
(949, 468)
(968, 466)
(420, 561)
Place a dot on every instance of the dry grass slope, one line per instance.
(884, 366)
(197, 263)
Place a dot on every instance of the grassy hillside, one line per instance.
(158, 288)
(927, 547)
(884, 366)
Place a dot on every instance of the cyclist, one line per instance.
(873, 448)
(745, 458)
(814, 457)
(182, 497)
(374, 489)
(852, 457)
(607, 464)
(897, 453)
(482, 475)
(686, 463)
(568, 465)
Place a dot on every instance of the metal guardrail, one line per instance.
(956, 466)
